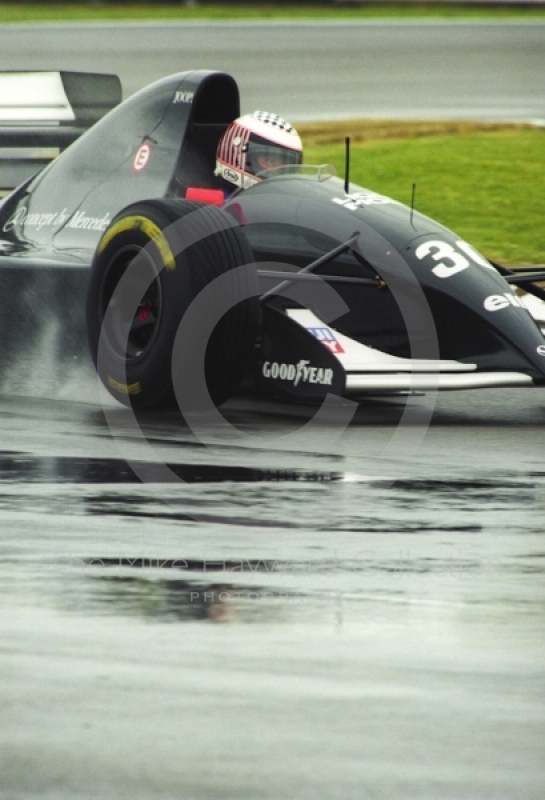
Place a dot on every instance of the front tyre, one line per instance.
(150, 264)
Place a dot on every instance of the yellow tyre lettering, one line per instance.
(149, 228)
(124, 388)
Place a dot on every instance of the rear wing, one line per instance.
(41, 113)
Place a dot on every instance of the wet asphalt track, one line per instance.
(384, 594)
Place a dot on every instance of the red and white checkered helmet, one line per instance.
(254, 143)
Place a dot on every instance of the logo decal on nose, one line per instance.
(142, 157)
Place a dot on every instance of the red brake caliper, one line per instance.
(143, 315)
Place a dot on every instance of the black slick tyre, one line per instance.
(152, 262)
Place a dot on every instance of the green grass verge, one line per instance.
(487, 183)
(484, 181)
(96, 11)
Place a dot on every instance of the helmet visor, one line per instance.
(262, 157)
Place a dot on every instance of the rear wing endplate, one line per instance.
(41, 113)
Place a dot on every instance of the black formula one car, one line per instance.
(299, 286)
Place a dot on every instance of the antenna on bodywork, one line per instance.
(346, 163)
(412, 201)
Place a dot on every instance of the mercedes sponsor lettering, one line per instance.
(302, 372)
(82, 221)
(49, 219)
(54, 219)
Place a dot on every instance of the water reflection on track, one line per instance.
(15, 467)
(385, 614)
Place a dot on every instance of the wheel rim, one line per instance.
(131, 334)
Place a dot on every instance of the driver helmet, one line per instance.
(255, 143)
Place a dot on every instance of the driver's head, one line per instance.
(255, 143)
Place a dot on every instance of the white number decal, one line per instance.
(443, 250)
(474, 255)
(458, 262)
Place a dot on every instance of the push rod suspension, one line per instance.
(325, 259)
